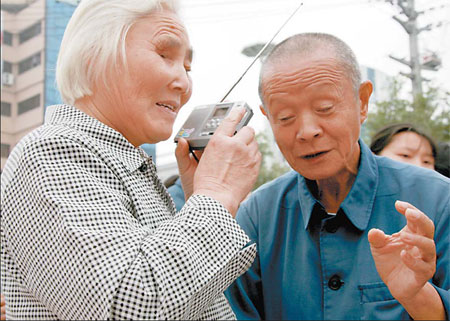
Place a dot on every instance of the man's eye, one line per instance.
(324, 109)
(284, 119)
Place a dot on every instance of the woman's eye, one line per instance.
(404, 155)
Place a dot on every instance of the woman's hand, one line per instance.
(3, 307)
(228, 167)
(187, 165)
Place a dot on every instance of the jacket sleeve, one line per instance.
(80, 252)
(245, 294)
(441, 278)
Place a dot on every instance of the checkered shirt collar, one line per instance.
(67, 115)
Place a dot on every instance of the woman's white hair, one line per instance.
(94, 41)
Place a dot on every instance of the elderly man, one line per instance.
(322, 252)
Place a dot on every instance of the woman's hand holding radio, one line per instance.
(228, 167)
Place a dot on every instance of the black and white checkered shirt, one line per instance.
(88, 231)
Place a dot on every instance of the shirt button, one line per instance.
(332, 226)
(143, 168)
(335, 283)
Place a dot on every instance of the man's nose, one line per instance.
(308, 128)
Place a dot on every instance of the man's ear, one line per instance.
(261, 107)
(365, 90)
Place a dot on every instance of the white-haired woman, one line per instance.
(88, 229)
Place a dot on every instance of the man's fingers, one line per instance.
(425, 245)
(401, 207)
(417, 264)
(419, 223)
(228, 125)
(377, 238)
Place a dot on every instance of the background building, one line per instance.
(23, 70)
(32, 31)
(381, 83)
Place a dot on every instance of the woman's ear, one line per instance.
(261, 107)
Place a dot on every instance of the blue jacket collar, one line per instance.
(358, 204)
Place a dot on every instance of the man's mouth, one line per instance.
(311, 156)
(172, 108)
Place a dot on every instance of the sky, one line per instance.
(220, 29)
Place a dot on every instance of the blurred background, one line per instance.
(403, 47)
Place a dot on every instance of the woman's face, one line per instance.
(141, 102)
(409, 147)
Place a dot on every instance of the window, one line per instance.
(29, 104)
(7, 66)
(30, 62)
(5, 150)
(30, 32)
(6, 109)
(7, 38)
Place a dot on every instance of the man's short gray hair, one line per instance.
(94, 41)
(306, 44)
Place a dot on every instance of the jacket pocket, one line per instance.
(377, 303)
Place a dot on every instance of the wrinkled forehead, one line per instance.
(164, 21)
(300, 64)
(302, 72)
(165, 28)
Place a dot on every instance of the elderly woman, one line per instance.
(88, 229)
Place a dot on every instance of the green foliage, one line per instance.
(270, 168)
(429, 112)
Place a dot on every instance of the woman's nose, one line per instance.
(181, 81)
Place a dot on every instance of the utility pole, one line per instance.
(414, 63)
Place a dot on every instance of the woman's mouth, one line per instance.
(170, 107)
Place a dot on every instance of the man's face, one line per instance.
(143, 101)
(315, 114)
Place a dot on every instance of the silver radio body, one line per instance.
(204, 120)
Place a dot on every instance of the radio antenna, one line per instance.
(261, 51)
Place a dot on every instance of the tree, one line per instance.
(270, 168)
(430, 112)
